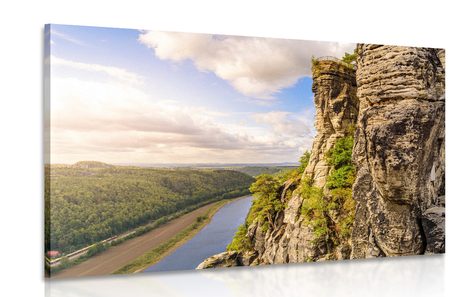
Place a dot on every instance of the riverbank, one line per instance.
(211, 240)
(165, 249)
(126, 252)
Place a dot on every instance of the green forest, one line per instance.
(258, 170)
(91, 201)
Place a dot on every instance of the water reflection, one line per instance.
(405, 276)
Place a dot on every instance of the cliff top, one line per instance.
(332, 66)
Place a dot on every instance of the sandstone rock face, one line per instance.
(228, 259)
(433, 224)
(292, 239)
(334, 87)
(399, 148)
(394, 103)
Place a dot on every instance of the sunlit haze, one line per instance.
(131, 96)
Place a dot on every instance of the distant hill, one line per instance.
(209, 165)
(91, 164)
(257, 170)
(90, 201)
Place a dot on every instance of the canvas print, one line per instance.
(174, 151)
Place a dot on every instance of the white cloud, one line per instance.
(285, 123)
(256, 67)
(293, 130)
(117, 122)
(114, 72)
(114, 120)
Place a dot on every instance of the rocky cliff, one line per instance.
(375, 181)
(399, 151)
(334, 87)
(292, 237)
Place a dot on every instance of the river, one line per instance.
(212, 239)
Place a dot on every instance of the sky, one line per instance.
(138, 96)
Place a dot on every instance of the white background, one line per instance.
(418, 23)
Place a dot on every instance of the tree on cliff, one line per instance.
(349, 58)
